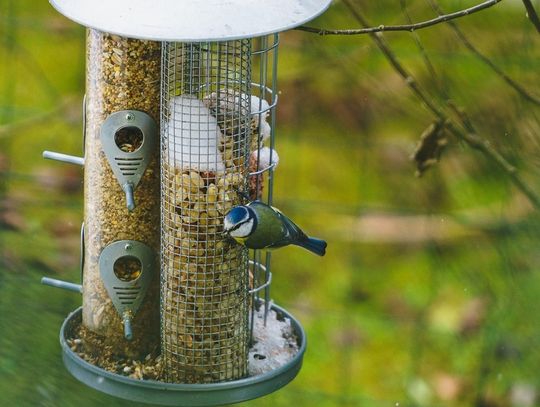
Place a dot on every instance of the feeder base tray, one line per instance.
(173, 394)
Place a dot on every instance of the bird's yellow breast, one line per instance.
(240, 240)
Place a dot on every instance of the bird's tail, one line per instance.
(314, 245)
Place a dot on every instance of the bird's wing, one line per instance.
(271, 220)
(293, 230)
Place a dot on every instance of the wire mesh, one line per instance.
(264, 87)
(205, 147)
(214, 125)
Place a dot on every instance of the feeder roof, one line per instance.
(191, 20)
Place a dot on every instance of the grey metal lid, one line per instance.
(191, 20)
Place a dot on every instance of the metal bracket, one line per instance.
(129, 166)
(127, 293)
(84, 124)
(66, 158)
(82, 252)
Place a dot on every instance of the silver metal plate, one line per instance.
(191, 20)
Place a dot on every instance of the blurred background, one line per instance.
(428, 295)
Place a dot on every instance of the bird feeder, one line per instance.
(179, 128)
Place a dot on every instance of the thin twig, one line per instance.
(531, 14)
(469, 135)
(483, 145)
(406, 27)
(427, 61)
(463, 38)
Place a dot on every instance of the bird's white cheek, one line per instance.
(243, 231)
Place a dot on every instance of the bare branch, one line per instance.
(463, 38)
(468, 135)
(406, 27)
(487, 148)
(531, 14)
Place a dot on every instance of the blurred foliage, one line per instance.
(428, 294)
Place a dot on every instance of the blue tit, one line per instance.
(259, 226)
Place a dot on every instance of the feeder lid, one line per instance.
(191, 20)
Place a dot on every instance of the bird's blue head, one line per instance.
(239, 222)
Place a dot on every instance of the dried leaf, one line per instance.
(429, 148)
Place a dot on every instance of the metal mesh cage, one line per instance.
(205, 147)
(214, 122)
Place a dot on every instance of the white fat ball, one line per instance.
(264, 157)
(193, 135)
(265, 131)
(259, 105)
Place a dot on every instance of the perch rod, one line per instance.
(128, 331)
(61, 284)
(130, 199)
(70, 159)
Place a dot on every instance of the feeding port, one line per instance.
(174, 311)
